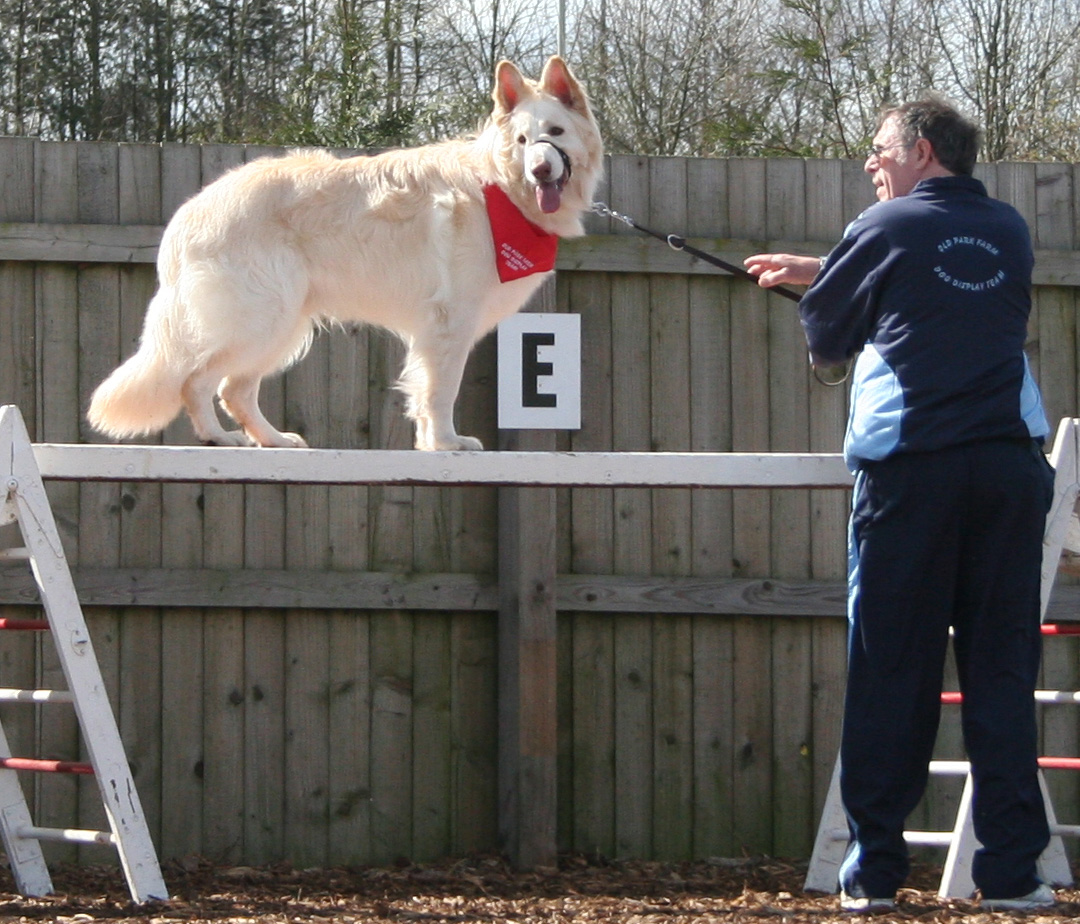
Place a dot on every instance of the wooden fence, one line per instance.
(309, 672)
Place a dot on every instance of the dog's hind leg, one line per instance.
(240, 398)
(431, 379)
(198, 395)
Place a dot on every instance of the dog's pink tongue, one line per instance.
(548, 197)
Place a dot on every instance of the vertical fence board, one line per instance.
(709, 409)
(1055, 197)
(349, 723)
(434, 513)
(392, 706)
(273, 810)
(791, 528)
(223, 637)
(714, 756)
(708, 403)
(20, 346)
(307, 654)
(223, 725)
(182, 628)
(474, 727)
(438, 522)
(432, 767)
(631, 399)
(471, 512)
(825, 221)
(672, 732)
(752, 773)
(584, 517)
(307, 771)
(392, 633)
(97, 199)
(750, 398)
(749, 373)
(595, 789)
(590, 514)
(264, 733)
(590, 704)
(630, 535)
(349, 719)
(277, 793)
(140, 511)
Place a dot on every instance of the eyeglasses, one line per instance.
(876, 150)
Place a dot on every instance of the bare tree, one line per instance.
(1013, 62)
(660, 72)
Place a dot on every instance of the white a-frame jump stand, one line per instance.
(25, 503)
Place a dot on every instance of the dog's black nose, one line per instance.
(542, 171)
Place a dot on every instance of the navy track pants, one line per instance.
(938, 539)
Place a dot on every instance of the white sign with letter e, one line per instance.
(540, 372)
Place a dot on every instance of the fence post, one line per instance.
(528, 744)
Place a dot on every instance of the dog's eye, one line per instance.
(521, 139)
(556, 131)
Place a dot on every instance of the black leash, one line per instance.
(679, 243)
(831, 375)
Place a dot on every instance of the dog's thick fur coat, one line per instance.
(250, 266)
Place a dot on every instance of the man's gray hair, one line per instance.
(954, 137)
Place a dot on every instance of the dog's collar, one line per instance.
(521, 248)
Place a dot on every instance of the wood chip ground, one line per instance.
(485, 889)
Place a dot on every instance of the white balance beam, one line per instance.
(100, 462)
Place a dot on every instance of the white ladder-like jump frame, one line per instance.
(25, 503)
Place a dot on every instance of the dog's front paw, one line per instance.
(456, 443)
(229, 438)
(276, 440)
(468, 444)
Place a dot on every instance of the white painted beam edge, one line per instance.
(102, 462)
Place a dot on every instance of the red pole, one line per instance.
(44, 766)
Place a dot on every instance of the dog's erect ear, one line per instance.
(509, 86)
(560, 83)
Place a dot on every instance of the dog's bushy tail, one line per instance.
(144, 394)
(141, 396)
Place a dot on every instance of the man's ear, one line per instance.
(924, 153)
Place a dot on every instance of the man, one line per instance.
(932, 285)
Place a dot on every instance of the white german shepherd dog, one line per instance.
(253, 264)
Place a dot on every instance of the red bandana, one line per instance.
(521, 248)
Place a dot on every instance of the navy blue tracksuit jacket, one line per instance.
(936, 294)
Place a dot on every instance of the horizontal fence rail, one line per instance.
(597, 253)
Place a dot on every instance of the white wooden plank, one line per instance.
(331, 466)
